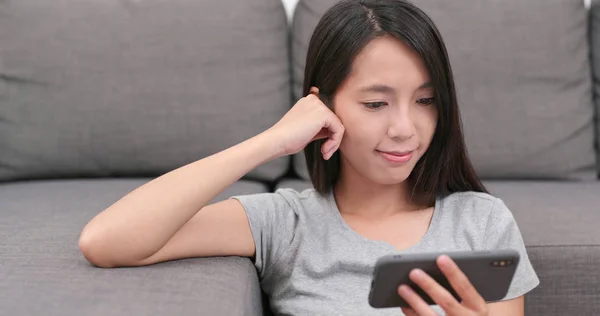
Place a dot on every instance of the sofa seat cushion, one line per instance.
(559, 222)
(553, 213)
(42, 271)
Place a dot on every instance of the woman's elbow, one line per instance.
(91, 246)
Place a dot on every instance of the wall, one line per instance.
(291, 4)
(289, 7)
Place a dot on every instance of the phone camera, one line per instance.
(502, 263)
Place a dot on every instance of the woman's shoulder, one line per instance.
(284, 198)
(473, 202)
(482, 216)
(470, 197)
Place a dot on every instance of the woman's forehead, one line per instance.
(387, 62)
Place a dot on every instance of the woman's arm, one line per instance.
(167, 218)
(135, 228)
(514, 307)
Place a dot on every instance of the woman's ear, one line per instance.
(325, 99)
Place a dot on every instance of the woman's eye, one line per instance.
(374, 105)
(426, 101)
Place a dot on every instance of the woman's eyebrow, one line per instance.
(426, 85)
(381, 88)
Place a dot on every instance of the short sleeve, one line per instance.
(502, 232)
(272, 218)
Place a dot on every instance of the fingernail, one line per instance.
(444, 260)
(330, 152)
(404, 289)
(417, 273)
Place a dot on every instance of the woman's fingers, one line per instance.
(324, 133)
(438, 293)
(417, 304)
(336, 133)
(472, 302)
(461, 284)
(409, 311)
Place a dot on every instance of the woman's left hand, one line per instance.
(472, 303)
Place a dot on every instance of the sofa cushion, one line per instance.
(553, 213)
(570, 281)
(559, 223)
(42, 271)
(296, 184)
(137, 88)
(522, 73)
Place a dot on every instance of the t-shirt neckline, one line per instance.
(355, 235)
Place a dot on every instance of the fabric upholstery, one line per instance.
(42, 271)
(569, 212)
(570, 280)
(523, 81)
(137, 88)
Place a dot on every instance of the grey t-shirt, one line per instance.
(310, 262)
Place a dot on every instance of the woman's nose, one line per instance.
(401, 123)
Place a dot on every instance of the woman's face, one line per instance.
(387, 108)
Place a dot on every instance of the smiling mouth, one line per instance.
(396, 156)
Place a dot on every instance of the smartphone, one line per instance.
(490, 272)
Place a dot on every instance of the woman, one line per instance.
(381, 131)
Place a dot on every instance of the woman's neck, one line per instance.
(358, 196)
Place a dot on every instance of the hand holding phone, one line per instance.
(473, 277)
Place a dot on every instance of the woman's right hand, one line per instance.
(308, 120)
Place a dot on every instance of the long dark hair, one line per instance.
(340, 35)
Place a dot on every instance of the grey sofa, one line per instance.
(98, 97)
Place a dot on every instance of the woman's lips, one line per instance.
(396, 157)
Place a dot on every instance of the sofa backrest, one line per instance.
(522, 71)
(137, 88)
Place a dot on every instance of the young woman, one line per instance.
(381, 131)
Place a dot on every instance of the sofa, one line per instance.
(99, 97)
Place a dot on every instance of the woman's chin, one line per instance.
(392, 178)
(382, 174)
